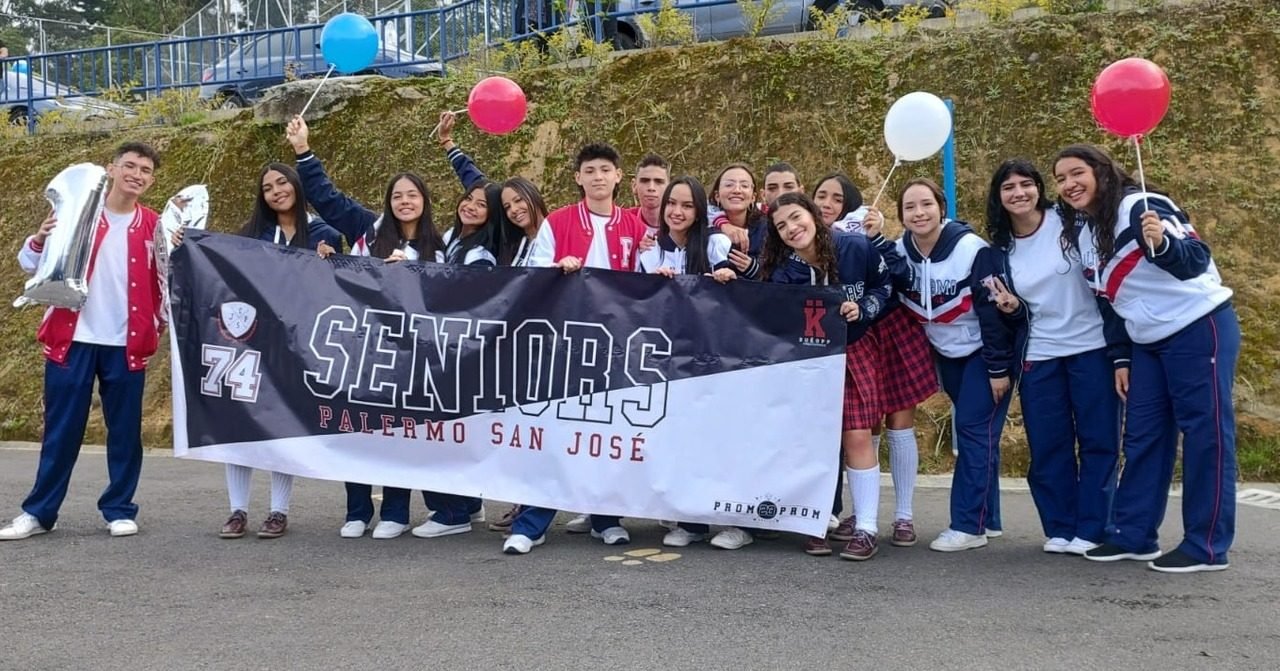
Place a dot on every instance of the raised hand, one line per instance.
(873, 223)
(447, 121)
(298, 135)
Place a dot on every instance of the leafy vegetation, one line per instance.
(1020, 88)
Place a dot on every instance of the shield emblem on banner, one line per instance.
(238, 319)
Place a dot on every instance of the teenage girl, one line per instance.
(932, 266)
(1042, 332)
(1139, 251)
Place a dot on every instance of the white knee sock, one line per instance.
(904, 462)
(866, 497)
(281, 492)
(238, 480)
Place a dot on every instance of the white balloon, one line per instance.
(917, 126)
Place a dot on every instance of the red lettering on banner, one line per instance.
(637, 443)
(576, 447)
(344, 424)
(531, 438)
(435, 430)
(326, 414)
(410, 427)
(459, 432)
(388, 421)
(364, 423)
(615, 448)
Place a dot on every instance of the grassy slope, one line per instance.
(1019, 89)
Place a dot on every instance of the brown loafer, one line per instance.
(234, 528)
(904, 533)
(817, 547)
(274, 526)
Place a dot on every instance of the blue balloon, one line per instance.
(20, 67)
(349, 43)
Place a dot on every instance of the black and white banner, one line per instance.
(605, 392)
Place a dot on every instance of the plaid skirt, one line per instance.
(862, 400)
(908, 376)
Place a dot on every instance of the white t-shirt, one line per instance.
(598, 253)
(1064, 315)
(104, 319)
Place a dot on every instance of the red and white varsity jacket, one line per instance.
(146, 316)
(568, 232)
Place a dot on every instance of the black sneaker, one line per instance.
(1181, 562)
(1112, 552)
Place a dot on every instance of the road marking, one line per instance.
(641, 555)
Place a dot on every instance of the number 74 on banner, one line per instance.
(241, 373)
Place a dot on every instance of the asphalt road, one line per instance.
(178, 597)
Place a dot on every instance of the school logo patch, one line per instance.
(237, 320)
(814, 333)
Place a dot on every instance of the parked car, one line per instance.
(724, 21)
(273, 58)
(50, 97)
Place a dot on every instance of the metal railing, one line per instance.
(419, 42)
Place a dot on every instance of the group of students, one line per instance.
(1105, 302)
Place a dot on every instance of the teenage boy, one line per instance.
(107, 340)
(594, 233)
(652, 176)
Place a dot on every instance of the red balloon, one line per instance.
(1130, 97)
(497, 105)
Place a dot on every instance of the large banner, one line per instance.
(605, 392)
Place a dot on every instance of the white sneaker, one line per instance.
(951, 540)
(23, 526)
(478, 516)
(678, 538)
(1079, 546)
(612, 536)
(386, 530)
(353, 529)
(1056, 545)
(123, 527)
(518, 544)
(994, 533)
(833, 524)
(579, 525)
(732, 539)
(434, 529)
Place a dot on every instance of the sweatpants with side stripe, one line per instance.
(979, 421)
(1182, 384)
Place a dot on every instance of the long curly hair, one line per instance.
(1112, 181)
(776, 251)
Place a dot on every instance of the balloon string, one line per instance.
(1142, 182)
(896, 162)
(315, 92)
(436, 130)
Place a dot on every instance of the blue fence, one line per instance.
(240, 65)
